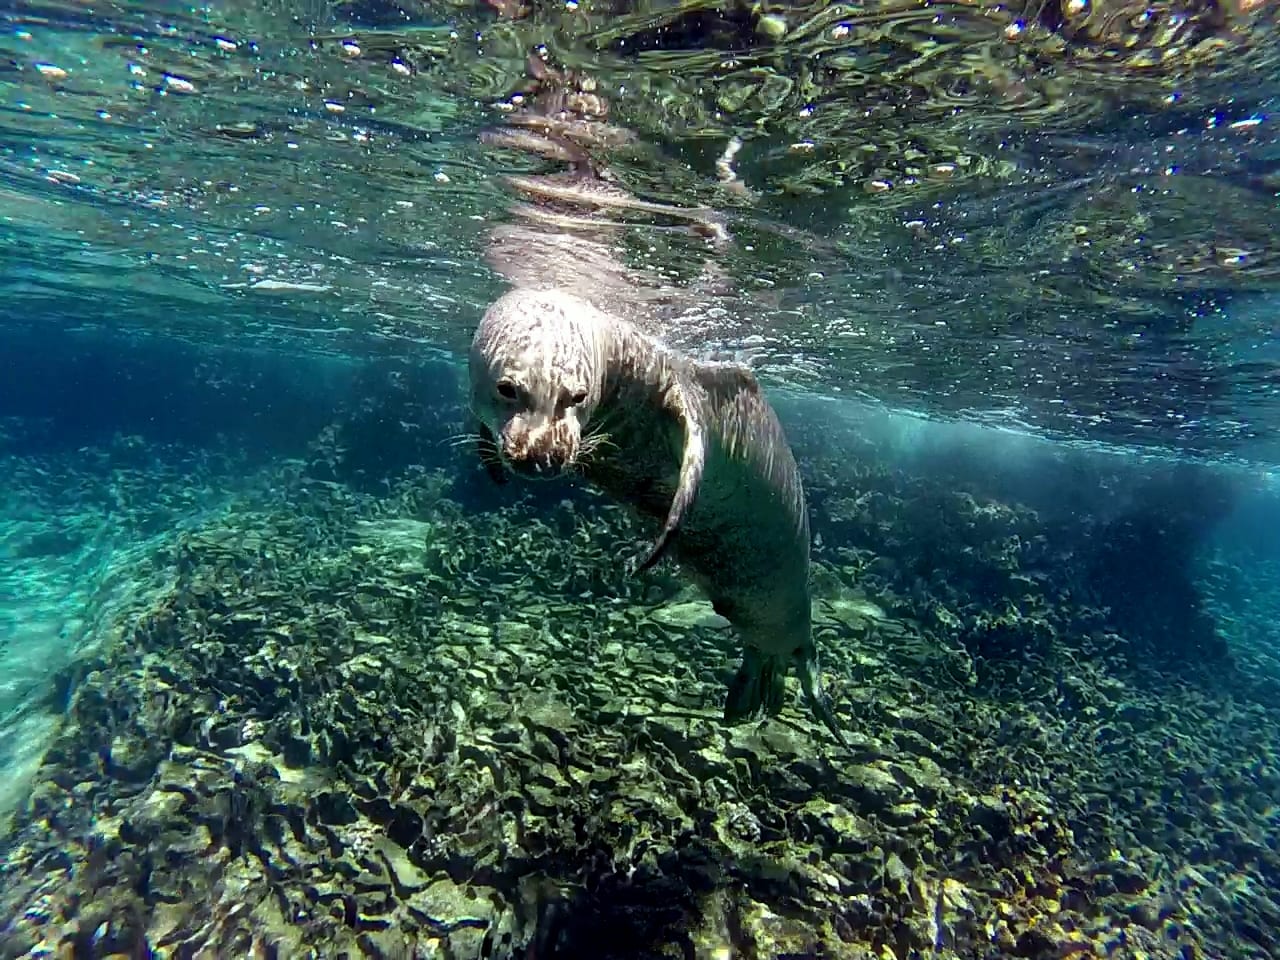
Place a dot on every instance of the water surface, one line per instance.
(1061, 217)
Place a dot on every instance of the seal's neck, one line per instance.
(635, 360)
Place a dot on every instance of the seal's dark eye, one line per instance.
(578, 398)
(506, 390)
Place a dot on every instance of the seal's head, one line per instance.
(537, 368)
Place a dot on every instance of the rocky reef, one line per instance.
(373, 719)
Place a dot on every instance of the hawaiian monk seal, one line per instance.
(557, 385)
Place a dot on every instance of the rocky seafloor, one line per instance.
(78, 528)
(369, 718)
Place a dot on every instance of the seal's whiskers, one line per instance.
(465, 438)
(601, 425)
(594, 441)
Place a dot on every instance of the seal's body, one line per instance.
(558, 385)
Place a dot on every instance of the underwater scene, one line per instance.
(640, 479)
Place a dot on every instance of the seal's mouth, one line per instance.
(539, 466)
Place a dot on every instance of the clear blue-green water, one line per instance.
(282, 674)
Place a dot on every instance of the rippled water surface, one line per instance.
(1062, 215)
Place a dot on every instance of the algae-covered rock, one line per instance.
(875, 788)
(326, 753)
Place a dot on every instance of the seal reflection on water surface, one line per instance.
(558, 385)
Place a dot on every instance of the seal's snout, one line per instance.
(543, 450)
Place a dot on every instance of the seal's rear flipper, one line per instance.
(487, 450)
(806, 659)
(692, 462)
(757, 688)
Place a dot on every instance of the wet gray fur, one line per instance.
(693, 445)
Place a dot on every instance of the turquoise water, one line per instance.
(282, 674)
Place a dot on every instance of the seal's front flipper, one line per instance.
(722, 383)
(759, 687)
(806, 659)
(692, 462)
(487, 450)
(725, 382)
